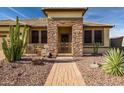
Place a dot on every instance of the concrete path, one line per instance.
(65, 74)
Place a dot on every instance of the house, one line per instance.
(63, 32)
(117, 42)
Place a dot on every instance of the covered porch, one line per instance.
(62, 41)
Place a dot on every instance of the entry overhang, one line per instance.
(64, 12)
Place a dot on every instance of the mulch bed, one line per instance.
(96, 76)
(21, 74)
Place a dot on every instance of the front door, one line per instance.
(64, 39)
(65, 44)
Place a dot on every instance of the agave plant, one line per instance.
(114, 62)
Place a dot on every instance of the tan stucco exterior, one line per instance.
(7, 28)
(106, 37)
(5, 31)
(65, 12)
(89, 50)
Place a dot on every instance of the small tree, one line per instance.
(15, 50)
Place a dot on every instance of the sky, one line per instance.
(113, 16)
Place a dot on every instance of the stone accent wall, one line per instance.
(77, 38)
(77, 34)
(52, 33)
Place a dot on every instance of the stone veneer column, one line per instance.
(77, 37)
(52, 37)
(77, 34)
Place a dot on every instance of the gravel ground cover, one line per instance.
(96, 76)
(17, 74)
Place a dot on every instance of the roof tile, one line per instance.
(43, 22)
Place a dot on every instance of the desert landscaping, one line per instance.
(24, 73)
(28, 74)
(96, 76)
(64, 65)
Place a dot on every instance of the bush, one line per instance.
(15, 49)
(95, 48)
(114, 62)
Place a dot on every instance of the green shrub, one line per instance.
(95, 48)
(15, 49)
(114, 62)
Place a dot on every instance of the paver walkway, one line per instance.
(65, 74)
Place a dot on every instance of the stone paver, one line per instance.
(65, 74)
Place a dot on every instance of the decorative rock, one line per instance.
(94, 65)
(24, 74)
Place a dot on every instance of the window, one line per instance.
(35, 36)
(98, 36)
(87, 36)
(91, 36)
(38, 36)
(43, 36)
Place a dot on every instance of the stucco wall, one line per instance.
(65, 14)
(6, 29)
(106, 37)
(89, 50)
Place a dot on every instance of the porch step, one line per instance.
(65, 55)
(66, 59)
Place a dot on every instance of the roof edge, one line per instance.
(117, 37)
(63, 8)
(85, 23)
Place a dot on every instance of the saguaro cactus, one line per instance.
(15, 50)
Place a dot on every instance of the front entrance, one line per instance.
(64, 40)
(71, 26)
